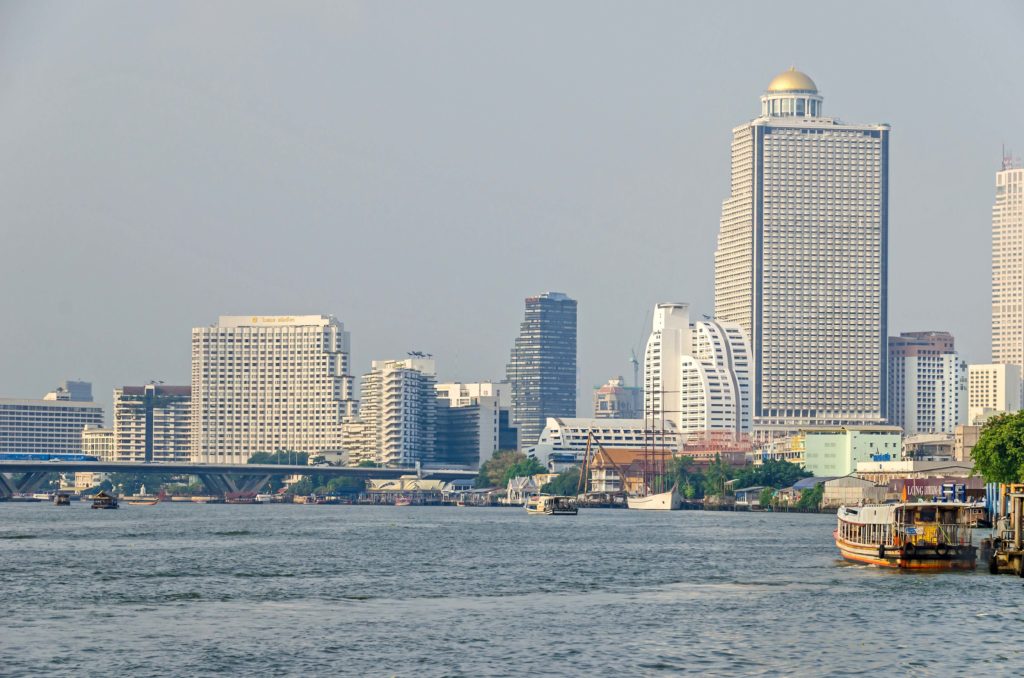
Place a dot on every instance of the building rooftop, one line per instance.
(792, 81)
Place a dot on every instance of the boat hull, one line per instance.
(949, 558)
(664, 501)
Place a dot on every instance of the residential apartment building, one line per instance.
(267, 383)
(153, 423)
(542, 367)
(927, 383)
(992, 389)
(696, 375)
(50, 425)
(397, 423)
(805, 229)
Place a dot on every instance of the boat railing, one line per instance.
(934, 533)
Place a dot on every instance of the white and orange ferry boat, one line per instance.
(911, 536)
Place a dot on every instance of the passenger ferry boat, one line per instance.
(102, 500)
(403, 500)
(912, 536)
(551, 505)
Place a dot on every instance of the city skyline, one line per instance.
(653, 170)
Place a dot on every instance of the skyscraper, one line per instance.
(696, 375)
(1008, 266)
(542, 368)
(801, 260)
(268, 383)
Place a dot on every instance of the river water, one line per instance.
(422, 591)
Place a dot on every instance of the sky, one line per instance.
(417, 169)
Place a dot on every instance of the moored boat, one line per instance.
(62, 499)
(663, 501)
(911, 536)
(403, 500)
(551, 505)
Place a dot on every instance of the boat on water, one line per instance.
(403, 500)
(909, 535)
(551, 505)
(62, 499)
(146, 501)
(662, 501)
(102, 500)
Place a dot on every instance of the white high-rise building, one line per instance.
(50, 425)
(1008, 266)
(927, 383)
(268, 383)
(992, 389)
(801, 262)
(696, 375)
(397, 423)
(152, 423)
(935, 395)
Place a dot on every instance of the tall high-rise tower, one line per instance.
(1008, 266)
(542, 367)
(801, 260)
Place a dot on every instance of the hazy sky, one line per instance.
(417, 168)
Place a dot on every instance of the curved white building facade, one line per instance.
(696, 375)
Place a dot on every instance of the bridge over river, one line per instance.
(26, 476)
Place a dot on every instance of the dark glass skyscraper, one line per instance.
(542, 368)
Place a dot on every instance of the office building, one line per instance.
(50, 425)
(98, 442)
(473, 422)
(397, 423)
(927, 383)
(542, 367)
(801, 261)
(696, 375)
(1008, 265)
(615, 400)
(268, 383)
(992, 389)
(153, 423)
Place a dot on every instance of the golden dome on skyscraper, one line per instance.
(792, 80)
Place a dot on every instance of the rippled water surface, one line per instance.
(357, 590)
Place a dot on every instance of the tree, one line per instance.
(999, 453)
(279, 457)
(810, 499)
(505, 464)
(131, 483)
(566, 484)
(718, 473)
(772, 473)
(767, 495)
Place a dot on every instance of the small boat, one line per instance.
(551, 505)
(102, 500)
(461, 503)
(403, 500)
(909, 535)
(663, 501)
(146, 501)
(62, 499)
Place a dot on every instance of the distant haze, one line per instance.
(417, 169)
